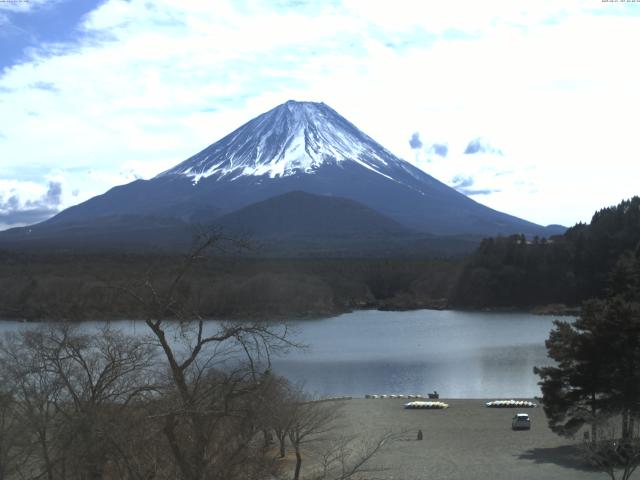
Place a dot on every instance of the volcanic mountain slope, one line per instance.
(297, 146)
(304, 224)
(304, 214)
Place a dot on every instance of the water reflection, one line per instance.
(460, 354)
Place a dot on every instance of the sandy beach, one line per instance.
(465, 441)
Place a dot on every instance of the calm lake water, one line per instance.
(460, 354)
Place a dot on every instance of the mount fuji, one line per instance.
(296, 147)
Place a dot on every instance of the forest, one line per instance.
(516, 272)
(80, 287)
(513, 272)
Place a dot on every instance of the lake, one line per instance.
(459, 354)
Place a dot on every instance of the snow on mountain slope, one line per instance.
(295, 137)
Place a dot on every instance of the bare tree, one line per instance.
(314, 427)
(213, 368)
(345, 457)
(278, 400)
(311, 421)
(36, 393)
(618, 456)
(14, 444)
(70, 389)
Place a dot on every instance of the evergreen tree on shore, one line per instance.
(598, 368)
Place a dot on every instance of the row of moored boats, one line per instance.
(375, 396)
(510, 404)
(492, 404)
(426, 405)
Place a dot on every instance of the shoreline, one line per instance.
(465, 441)
(543, 310)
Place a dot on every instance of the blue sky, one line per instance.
(25, 26)
(528, 107)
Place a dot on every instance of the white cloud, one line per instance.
(26, 5)
(23, 203)
(152, 83)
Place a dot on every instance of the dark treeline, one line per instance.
(79, 287)
(567, 269)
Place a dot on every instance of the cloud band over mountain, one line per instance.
(440, 149)
(481, 145)
(15, 211)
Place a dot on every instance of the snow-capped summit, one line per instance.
(295, 137)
